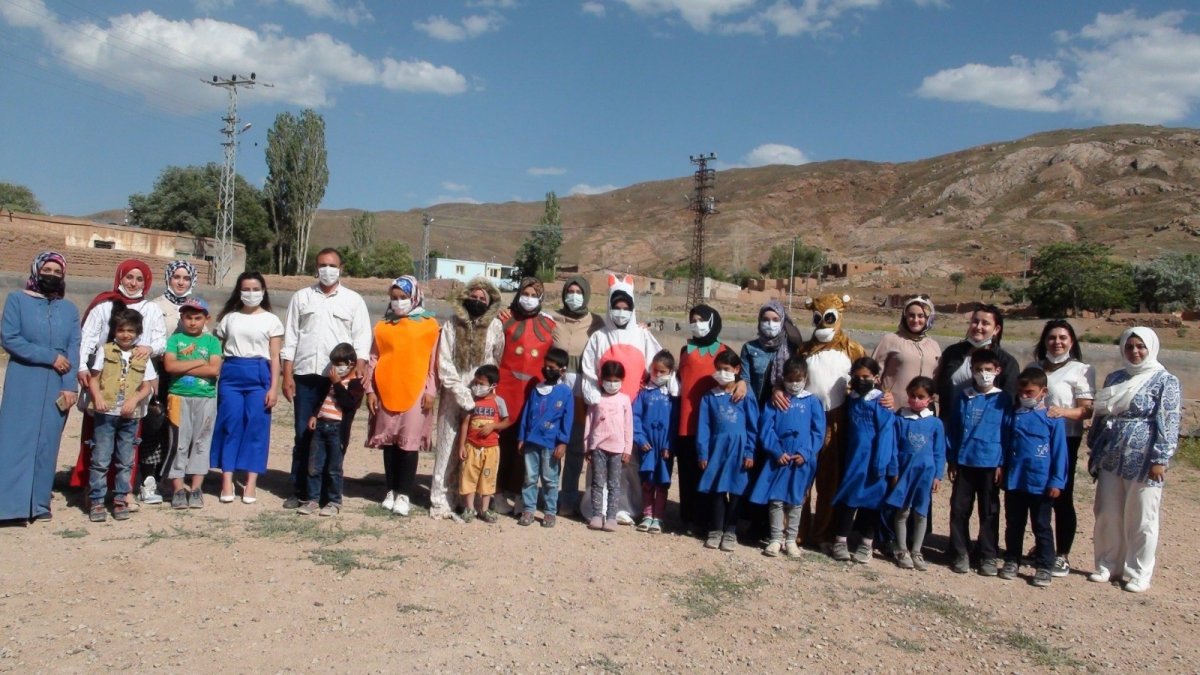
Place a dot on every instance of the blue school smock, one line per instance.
(726, 435)
(978, 429)
(546, 418)
(921, 458)
(655, 421)
(799, 430)
(870, 453)
(1035, 456)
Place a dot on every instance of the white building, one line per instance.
(466, 270)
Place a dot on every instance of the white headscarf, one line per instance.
(1115, 399)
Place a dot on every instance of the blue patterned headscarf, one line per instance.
(173, 267)
(36, 268)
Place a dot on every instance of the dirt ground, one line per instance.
(254, 588)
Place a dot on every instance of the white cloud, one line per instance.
(453, 199)
(784, 18)
(585, 189)
(545, 171)
(594, 8)
(210, 6)
(1119, 68)
(775, 153)
(455, 187)
(494, 4)
(151, 55)
(352, 13)
(699, 14)
(441, 28)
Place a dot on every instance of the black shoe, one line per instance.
(292, 503)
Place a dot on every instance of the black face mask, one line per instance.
(49, 284)
(862, 385)
(550, 375)
(475, 308)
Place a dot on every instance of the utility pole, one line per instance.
(792, 277)
(703, 204)
(224, 230)
(426, 222)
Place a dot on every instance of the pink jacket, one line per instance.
(609, 425)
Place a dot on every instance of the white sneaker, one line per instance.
(150, 491)
(1139, 586)
(772, 550)
(401, 507)
(792, 549)
(389, 501)
(1100, 576)
(623, 518)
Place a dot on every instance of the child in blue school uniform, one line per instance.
(1035, 473)
(789, 440)
(542, 438)
(977, 432)
(655, 427)
(921, 461)
(869, 461)
(726, 435)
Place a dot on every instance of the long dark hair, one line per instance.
(1039, 352)
(234, 303)
(997, 316)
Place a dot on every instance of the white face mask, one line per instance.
(620, 317)
(252, 298)
(661, 380)
(529, 303)
(770, 328)
(984, 379)
(402, 307)
(795, 388)
(1030, 403)
(611, 387)
(480, 390)
(1059, 358)
(341, 370)
(329, 276)
(701, 328)
(724, 377)
(127, 294)
(979, 344)
(573, 301)
(824, 334)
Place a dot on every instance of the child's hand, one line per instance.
(892, 480)
(312, 424)
(625, 458)
(560, 451)
(748, 463)
(486, 428)
(798, 460)
(999, 475)
(703, 464)
(666, 454)
(462, 453)
(128, 408)
(936, 485)
(645, 447)
(952, 472)
(98, 404)
(520, 446)
(784, 459)
(1053, 493)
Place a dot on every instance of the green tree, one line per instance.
(389, 260)
(538, 255)
(809, 260)
(992, 283)
(19, 198)
(185, 198)
(297, 174)
(362, 234)
(1079, 276)
(1170, 282)
(957, 278)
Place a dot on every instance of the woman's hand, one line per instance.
(372, 404)
(1056, 412)
(504, 314)
(61, 365)
(270, 400)
(426, 402)
(141, 352)
(739, 391)
(69, 397)
(1157, 471)
(84, 378)
(780, 400)
(798, 459)
(888, 401)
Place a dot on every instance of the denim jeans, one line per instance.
(606, 472)
(310, 392)
(540, 463)
(326, 459)
(114, 439)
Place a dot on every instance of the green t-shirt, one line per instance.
(188, 348)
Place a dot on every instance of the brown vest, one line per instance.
(113, 382)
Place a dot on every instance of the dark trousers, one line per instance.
(155, 433)
(975, 486)
(326, 460)
(1065, 520)
(310, 392)
(724, 512)
(847, 519)
(400, 469)
(1021, 507)
(692, 503)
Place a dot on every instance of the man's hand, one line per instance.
(270, 399)
(312, 424)
(289, 386)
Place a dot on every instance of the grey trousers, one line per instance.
(606, 472)
(191, 439)
(776, 511)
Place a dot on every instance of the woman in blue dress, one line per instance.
(41, 335)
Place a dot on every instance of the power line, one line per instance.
(228, 173)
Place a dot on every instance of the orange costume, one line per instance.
(403, 367)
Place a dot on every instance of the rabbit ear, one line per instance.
(612, 280)
(628, 279)
(808, 303)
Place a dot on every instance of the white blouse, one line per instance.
(1074, 381)
(249, 335)
(95, 329)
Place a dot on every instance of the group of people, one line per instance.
(811, 442)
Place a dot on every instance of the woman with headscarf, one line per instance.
(131, 285)
(401, 385)
(1134, 434)
(764, 356)
(910, 351)
(180, 285)
(469, 339)
(528, 334)
(41, 335)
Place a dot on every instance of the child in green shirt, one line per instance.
(193, 358)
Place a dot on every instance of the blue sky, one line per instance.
(498, 100)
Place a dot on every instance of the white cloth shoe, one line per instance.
(1100, 576)
(389, 502)
(150, 491)
(1139, 586)
(624, 518)
(401, 507)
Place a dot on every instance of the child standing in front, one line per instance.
(1035, 473)
(976, 434)
(608, 432)
(543, 436)
(921, 461)
(726, 435)
(790, 439)
(869, 461)
(479, 445)
(193, 358)
(120, 388)
(655, 428)
(331, 432)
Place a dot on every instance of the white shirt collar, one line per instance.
(908, 413)
(972, 392)
(871, 395)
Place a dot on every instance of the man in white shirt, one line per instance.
(318, 319)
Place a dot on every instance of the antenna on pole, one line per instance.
(426, 222)
(225, 203)
(703, 204)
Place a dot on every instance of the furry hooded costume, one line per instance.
(630, 344)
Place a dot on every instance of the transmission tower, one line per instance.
(426, 222)
(703, 204)
(224, 257)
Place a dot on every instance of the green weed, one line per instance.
(1189, 451)
(1042, 653)
(906, 645)
(287, 525)
(76, 533)
(945, 606)
(601, 663)
(705, 594)
(406, 608)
